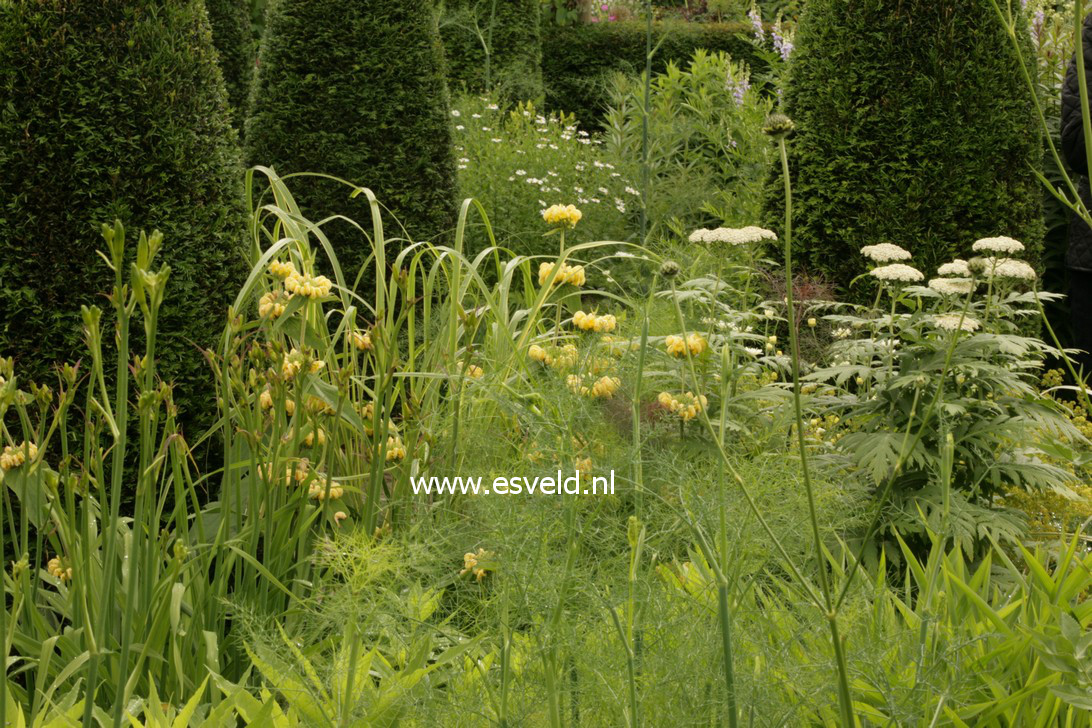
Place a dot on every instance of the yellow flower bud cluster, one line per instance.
(473, 564)
(298, 473)
(590, 322)
(473, 371)
(317, 435)
(562, 215)
(319, 406)
(678, 346)
(294, 361)
(265, 399)
(362, 340)
(584, 465)
(57, 569)
(604, 387)
(272, 305)
(573, 274)
(14, 456)
(282, 269)
(563, 358)
(395, 449)
(318, 490)
(302, 284)
(685, 406)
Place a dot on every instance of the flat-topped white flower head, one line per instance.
(955, 322)
(733, 236)
(952, 286)
(1012, 268)
(885, 252)
(998, 245)
(897, 272)
(957, 267)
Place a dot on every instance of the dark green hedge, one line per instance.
(578, 61)
(913, 126)
(357, 90)
(114, 109)
(233, 38)
(512, 30)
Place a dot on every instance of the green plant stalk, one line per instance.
(845, 700)
(645, 104)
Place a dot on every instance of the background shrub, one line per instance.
(708, 157)
(578, 62)
(511, 29)
(356, 90)
(913, 126)
(114, 110)
(232, 36)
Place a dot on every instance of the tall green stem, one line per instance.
(844, 698)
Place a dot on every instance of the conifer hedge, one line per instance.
(913, 126)
(233, 38)
(357, 90)
(511, 30)
(114, 109)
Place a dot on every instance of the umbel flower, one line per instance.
(956, 268)
(733, 236)
(885, 252)
(998, 245)
(897, 272)
(955, 322)
(952, 286)
(562, 215)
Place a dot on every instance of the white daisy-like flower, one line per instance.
(459, 127)
(955, 322)
(897, 272)
(455, 113)
(952, 286)
(753, 351)
(957, 267)
(998, 245)
(842, 333)
(885, 252)
(1012, 268)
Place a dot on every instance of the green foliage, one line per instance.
(495, 46)
(114, 110)
(913, 126)
(517, 162)
(357, 91)
(578, 62)
(708, 157)
(233, 37)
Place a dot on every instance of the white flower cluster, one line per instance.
(1013, 268)
(898, 272)
(733, 236)
(885, 252)
(952, 286)
(956, 268)
(955, 322)
(998, 245)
